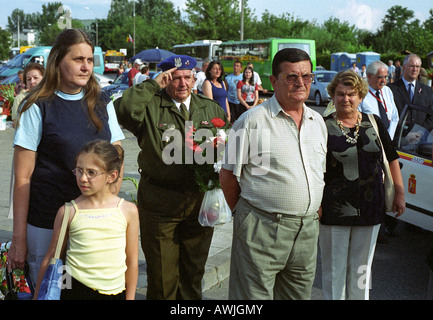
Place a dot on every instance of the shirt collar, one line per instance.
(407, 82)
(187, 102)
(276, 108)
(71, 97)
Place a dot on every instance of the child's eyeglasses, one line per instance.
(90, 174)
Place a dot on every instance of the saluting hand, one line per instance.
(165, 77)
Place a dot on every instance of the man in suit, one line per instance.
(419, 93)
(380, 99)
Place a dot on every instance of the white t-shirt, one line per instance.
(201, 77)
(139, 78)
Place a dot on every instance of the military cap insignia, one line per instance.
(178, 62)
(181, 62)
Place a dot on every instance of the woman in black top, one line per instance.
(353, 203)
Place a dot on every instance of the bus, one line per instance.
(113, 59)
(261, 54)
(199, 50)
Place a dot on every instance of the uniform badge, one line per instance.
(178, 62)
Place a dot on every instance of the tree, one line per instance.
(398, 18)
(157, 24)
(50, 33)
(48, 17)
(214, 19)
(6, 41)
(121, 8)
(401, 31)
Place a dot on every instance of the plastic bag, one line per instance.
(214, 209)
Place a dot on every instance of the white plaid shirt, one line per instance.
(279, 168)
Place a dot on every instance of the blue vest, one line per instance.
(66, 128)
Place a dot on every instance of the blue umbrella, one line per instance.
(152, 55)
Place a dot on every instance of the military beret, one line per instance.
(179, 61)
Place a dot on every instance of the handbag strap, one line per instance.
(374, 123)
(62, 231)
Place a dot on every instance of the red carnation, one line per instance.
(218, 123)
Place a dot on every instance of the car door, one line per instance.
(413, 141)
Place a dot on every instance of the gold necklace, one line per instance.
(349, 139)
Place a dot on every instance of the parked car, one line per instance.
(413, 142)
(103, 80)
(13, 79)
(120, 84)
(318, 91)
(117, 86)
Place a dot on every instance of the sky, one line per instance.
(364, 14)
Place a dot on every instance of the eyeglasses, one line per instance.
(90, 174)
(292, 78)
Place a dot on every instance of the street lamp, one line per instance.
(96, 23)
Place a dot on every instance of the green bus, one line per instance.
(261, 54)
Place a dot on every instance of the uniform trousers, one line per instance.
(273, 255)
(175, 245)
(347, 255)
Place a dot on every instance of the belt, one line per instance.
(278, 216)
(186, 189)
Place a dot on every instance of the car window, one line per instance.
(324, 77)
(415, 131)
(122, 79)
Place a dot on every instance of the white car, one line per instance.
(413, 141)
(103, 80)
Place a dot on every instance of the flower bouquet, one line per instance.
(208, 143)
(14, 285)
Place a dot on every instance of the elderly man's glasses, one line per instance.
(90, 174)
(292, 78)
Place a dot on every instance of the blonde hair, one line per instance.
(351, 79)
(51, 80)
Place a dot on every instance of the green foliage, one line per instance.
(135, 182)
(6, 41)
(158, 23)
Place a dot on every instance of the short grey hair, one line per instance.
(409, 56)
(373, 68)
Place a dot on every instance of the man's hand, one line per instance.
(164, 78)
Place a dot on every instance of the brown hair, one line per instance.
(109, 156)
(33, 66)
(51, 81)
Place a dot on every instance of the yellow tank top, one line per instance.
(97, 243)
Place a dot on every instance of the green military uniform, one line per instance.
(175, 245)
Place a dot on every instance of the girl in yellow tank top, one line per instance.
(102, 259)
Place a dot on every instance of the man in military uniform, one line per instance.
(175, 245)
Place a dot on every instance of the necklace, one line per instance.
(349, 139)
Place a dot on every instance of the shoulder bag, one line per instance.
(51, 285)
(387, 180)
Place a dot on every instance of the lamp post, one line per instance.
(96, 24)
(242, 20)
(133, 42)
(19, 32)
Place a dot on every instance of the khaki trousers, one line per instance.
(273, 256)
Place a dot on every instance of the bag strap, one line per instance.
(373, 122)
(62, 231)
